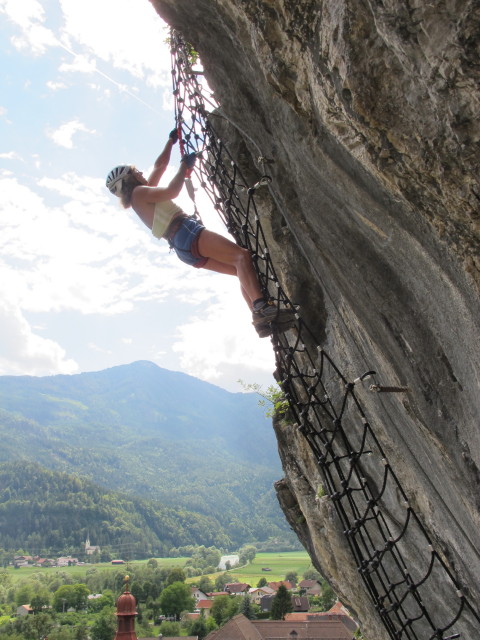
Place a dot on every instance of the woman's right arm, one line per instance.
(160, 194)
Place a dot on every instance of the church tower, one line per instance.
(126, 612)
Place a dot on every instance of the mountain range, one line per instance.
(151, 435)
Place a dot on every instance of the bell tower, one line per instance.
(126, 612)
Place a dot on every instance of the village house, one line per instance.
(190, 617)
(203, 607)
(337, 611)
(256, 594)
(333, 627)
(288, 585)
(44, 562)
(310, 587)
(300, 603)
(198, 595)
(22, 561)
(66, 561)
(24, 610)
(237, 588)
(265, 603)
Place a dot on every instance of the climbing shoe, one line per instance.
(265, 312)
(268, 328)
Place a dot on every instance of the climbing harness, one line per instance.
(358, 478)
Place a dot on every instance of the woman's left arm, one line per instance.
(161, 163)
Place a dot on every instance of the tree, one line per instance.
(199, 628)
(137, 592)
(247, 607)
(292, 577)
(311, 574)
(221, 580)
(97, 604)
(81, 631)
(247, 554)
(206, 585)
(176, 574)
(105, 626)
(328, 597)
(262, 582)
(71, 595)
(211, 624)
(40, 625)
(281, 604)
(40, 600)
(61, 633)
(169, 629)
(24, 594)
(31, 627)
(176, 598)
(223, 608)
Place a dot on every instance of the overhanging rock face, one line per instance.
(369, 112)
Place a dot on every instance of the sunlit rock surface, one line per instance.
(369, 111)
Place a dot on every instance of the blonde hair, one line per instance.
(128, 185)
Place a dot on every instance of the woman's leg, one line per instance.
(221, 267)
(227, 257)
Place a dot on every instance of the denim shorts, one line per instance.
(185, 242)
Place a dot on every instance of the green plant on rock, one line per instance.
(321, 491)
(273, 398)
(192, 54)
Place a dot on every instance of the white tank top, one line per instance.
(164, 213)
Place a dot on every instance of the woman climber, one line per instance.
(192, 243)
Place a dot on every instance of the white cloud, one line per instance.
(87, 255)
(130, 37)
(3, 114)
(22, 13)
(24, 352)
(63, 136)
(29, 16)
(55, 86)
(80, 63)
(10, 155)
(222, 341)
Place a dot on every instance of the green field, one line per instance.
(279, 563)
(81, 570)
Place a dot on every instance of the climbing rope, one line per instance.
(357, 476)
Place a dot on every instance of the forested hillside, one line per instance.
(42, 511)
(151, 433)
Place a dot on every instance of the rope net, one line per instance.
(356, 473)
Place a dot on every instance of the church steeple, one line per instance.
(126, 612)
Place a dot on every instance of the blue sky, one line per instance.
(83, 284)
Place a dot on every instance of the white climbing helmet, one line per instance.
(114, 180)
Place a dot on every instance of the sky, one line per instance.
(84, 286)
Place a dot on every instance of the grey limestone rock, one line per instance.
(368, 110)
